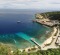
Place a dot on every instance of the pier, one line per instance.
(33, 40)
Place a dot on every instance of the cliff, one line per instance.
(49, 15)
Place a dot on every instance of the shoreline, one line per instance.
(42, 45)
(48, 41)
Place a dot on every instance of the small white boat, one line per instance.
(18, 21)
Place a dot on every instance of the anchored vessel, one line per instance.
(18, 21)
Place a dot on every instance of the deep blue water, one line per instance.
(19, 34)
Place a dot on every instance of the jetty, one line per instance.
(38, 45)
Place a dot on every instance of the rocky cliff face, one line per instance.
(50, 15)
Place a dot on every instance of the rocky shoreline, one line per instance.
(46, 18)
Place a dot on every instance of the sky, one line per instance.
(30, 4)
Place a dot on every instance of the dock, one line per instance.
(33, 40)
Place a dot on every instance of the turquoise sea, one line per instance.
(19, 34)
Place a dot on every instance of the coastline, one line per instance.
(44, 20)
(42, 45)
(47, 41)
(46, 44)
(50, 42)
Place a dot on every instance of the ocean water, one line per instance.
(19, 34)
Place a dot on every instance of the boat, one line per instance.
(18, 21)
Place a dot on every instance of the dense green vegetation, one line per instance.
(53, 15)
(42, 52)
(6, 50)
